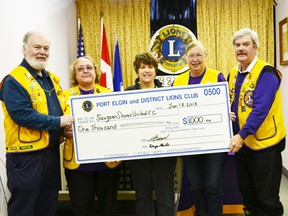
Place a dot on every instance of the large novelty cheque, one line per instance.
(151, 123)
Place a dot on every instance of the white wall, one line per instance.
(281, 13)
(55, 18)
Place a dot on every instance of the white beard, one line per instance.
(37, 65)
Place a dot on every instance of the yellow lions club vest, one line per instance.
(22, 139)
(272, 130)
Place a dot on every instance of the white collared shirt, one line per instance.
(250, 67)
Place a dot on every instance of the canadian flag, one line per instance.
(106, 78)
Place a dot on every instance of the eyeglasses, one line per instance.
(82, 69)
(198, 56)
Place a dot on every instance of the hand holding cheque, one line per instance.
(156, 123)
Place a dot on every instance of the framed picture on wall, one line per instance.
(283, 41)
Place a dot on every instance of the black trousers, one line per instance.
(156, 175)
(259, 176)
(84, 186)
(34, 182)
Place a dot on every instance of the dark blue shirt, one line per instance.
(19, 106)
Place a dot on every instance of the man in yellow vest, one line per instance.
(33, 104)
(259, 132)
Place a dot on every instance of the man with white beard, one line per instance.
(33, 106)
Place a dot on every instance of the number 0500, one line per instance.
(212, 91)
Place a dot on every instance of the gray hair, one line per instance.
(28, 35)
(193, 44)
(247, 31)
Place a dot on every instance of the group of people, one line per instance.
(37, 120)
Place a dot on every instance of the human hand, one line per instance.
(232, 116)
(66, 120)
(68, 131)
(236, 143)
(112, 164)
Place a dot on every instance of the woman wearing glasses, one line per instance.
(86, 181)
(204, 171)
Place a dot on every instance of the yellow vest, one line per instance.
(21, 139)
(272, 130)
(69, 160)
(210, 76)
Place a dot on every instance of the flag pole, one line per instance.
(101, 32)
(114, 52)
(78, 24)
